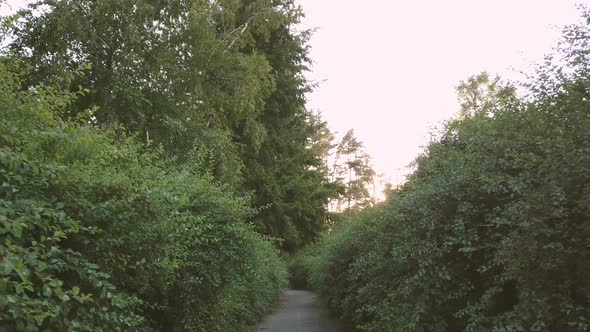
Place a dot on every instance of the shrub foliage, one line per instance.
(153, 157)
(100, 232)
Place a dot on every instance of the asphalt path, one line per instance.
(299, 311)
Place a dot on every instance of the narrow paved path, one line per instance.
(300, 312)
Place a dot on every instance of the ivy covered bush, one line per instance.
(491, 232)
(99, 232)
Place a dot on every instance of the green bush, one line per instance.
(299, 267)
(101, 232)
(331, 260)
(45, 284)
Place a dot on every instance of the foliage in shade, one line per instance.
(146, 147)
(99, 232)
(43, 282)
(170, 136)
(219, 79)
(288, 173)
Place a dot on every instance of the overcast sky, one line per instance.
(389, 67)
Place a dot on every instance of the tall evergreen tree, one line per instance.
(288, 173)
(217, 83)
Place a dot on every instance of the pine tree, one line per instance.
(352, 170)
(218, 84)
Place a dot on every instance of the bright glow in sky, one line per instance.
(9, 6)
(390, 67)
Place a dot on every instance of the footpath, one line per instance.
(299, 311)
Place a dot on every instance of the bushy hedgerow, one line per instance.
(299, 267)
(98, 232)
(327, 263)
(491, 231)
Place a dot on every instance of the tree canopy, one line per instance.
(220, 82)
(154, 155)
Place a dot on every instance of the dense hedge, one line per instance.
(98, 232)
(491, 232)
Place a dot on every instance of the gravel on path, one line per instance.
(299, 312)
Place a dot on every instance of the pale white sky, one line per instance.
(9, 6)
(389, 67)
